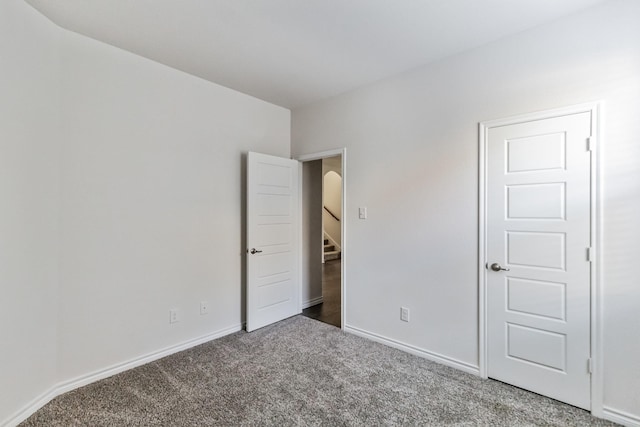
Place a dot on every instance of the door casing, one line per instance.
(343, 226)
(596, 238)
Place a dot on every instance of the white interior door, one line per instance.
(272, 240)
(538, 226)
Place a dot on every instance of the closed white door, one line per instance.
(272, 240)
(538, 226)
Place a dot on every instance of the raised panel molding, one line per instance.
(536, 297)
(550, 249)
(536, 201)
(526, 154)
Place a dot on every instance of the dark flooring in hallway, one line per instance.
(329, 310)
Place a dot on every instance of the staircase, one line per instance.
(330, 251)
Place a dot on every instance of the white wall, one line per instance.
(123, 182)
(422, 205)
(152, 185)
(29, 138)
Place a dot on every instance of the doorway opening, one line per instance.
(322, 240)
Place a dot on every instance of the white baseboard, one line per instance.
(66, 386)
(312, 302)
(435, 357)
(621, 417)
(30, 408)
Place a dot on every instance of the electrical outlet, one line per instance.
(174, 315)
(404, 314)
(204, 308)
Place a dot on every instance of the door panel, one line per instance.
(550, 201)
(538, 229)
(536, 249)
(536, 153)
(536, 346)
(272, 232)
(536, 297)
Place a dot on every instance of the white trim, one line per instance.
(594, 109)
(82, 380)
(435, 357)
(300, 237)
(321, 155)
(597, 350)
(343, 223)
(620, 417)
(482, 246)
(322, 232)
(30, 408)
(588, 107)
(312, 302)
(343, 240)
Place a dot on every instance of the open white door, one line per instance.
(538, 242)
(272, 240)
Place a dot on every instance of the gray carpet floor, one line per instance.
(305, 373)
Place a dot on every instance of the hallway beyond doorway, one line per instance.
(329, 310)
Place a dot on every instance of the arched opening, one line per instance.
(332, 212)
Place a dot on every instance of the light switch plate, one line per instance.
(362, 213)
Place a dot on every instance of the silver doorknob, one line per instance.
(255, 251)
(496, 267)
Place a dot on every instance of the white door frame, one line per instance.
(343, 226)
(596, 239)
